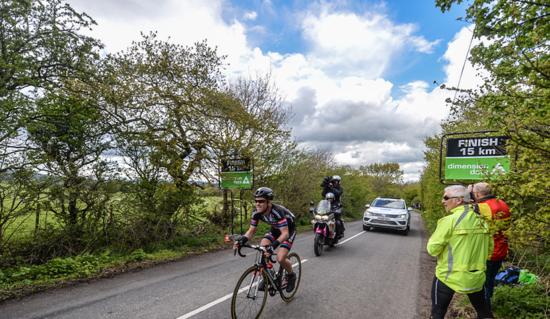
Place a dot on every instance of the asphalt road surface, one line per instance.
(369, 275)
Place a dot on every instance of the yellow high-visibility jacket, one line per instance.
(461, 243)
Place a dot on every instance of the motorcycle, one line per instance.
(324, 226)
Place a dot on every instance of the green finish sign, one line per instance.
(476, 158)
(236, 180)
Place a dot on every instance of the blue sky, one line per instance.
(279, 32)
(358, 75)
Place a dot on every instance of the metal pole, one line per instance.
(241, 209)
(232, 214)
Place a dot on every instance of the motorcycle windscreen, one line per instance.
(323, 207)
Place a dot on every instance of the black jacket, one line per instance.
(336, 190)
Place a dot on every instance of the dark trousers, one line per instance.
(442, 295)
(339, 224)
(492, 270)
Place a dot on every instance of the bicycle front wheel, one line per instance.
(248, 301)
(297, 269)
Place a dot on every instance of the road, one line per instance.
(372, 275)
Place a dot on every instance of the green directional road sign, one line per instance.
(475, 158)
(236, 180)
(236, 173)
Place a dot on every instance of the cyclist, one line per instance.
(281, 234)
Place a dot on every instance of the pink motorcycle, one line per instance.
(324, 227)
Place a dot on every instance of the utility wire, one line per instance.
(464, 64)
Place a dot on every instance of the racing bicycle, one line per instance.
(248, 299)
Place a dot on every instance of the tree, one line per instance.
(517, 92)
(384, 176)
(297, 180)
(69, 136)
(39, 43)
(42, 52)
(515, 99)
(172, 113)
(19, 193)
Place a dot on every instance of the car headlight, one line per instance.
(403, 216)
(367, 213)
(318, 217)
(325, 217)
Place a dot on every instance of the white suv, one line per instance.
(390, 213)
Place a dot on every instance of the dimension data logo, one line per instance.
(476, 158)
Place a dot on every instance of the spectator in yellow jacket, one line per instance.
(462, 244)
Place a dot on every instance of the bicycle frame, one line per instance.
(261, 265)
(272, 283)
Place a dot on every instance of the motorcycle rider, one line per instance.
(336, 209)
(331, 185)
(281, 234)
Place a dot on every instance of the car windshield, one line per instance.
(323, 207)
(389, 203)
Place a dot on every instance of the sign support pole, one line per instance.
(232, 214)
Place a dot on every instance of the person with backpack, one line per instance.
(461, 242)
(497, 213)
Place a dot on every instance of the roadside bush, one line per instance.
(521, 302)
(137, 255)
(70, 267)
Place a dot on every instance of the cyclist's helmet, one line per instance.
(329, 196)
(264, 192)
(336, 178)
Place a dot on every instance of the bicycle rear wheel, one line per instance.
(297, 268)
(247, 301)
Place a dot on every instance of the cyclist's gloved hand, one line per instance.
(242, 240)
(268, 250)
(274, 245)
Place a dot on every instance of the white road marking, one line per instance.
(217, 301)
(343, 242)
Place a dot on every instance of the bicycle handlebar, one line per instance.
(255, 247)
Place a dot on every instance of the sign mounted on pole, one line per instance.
(236, 173)
(473, 158)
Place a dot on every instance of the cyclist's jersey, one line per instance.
(279, 217)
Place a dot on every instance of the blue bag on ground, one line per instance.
(508, 276)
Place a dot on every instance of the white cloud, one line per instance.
(250, 15)
(184, 22)
(337, 88)
(455, 56)
(351, 44)
(379, 128)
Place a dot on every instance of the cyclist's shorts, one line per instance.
(274, 234)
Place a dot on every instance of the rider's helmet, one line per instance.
(329, 196)
(264, 192)
(336, 178)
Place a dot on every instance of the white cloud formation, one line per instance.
(184, 22)
(340, 99)
(250, 15)
(344, 43)
(380, 128)
(455, 56)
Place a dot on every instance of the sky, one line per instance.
(361, 77)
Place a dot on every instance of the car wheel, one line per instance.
(366, 228)
(406, 231)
